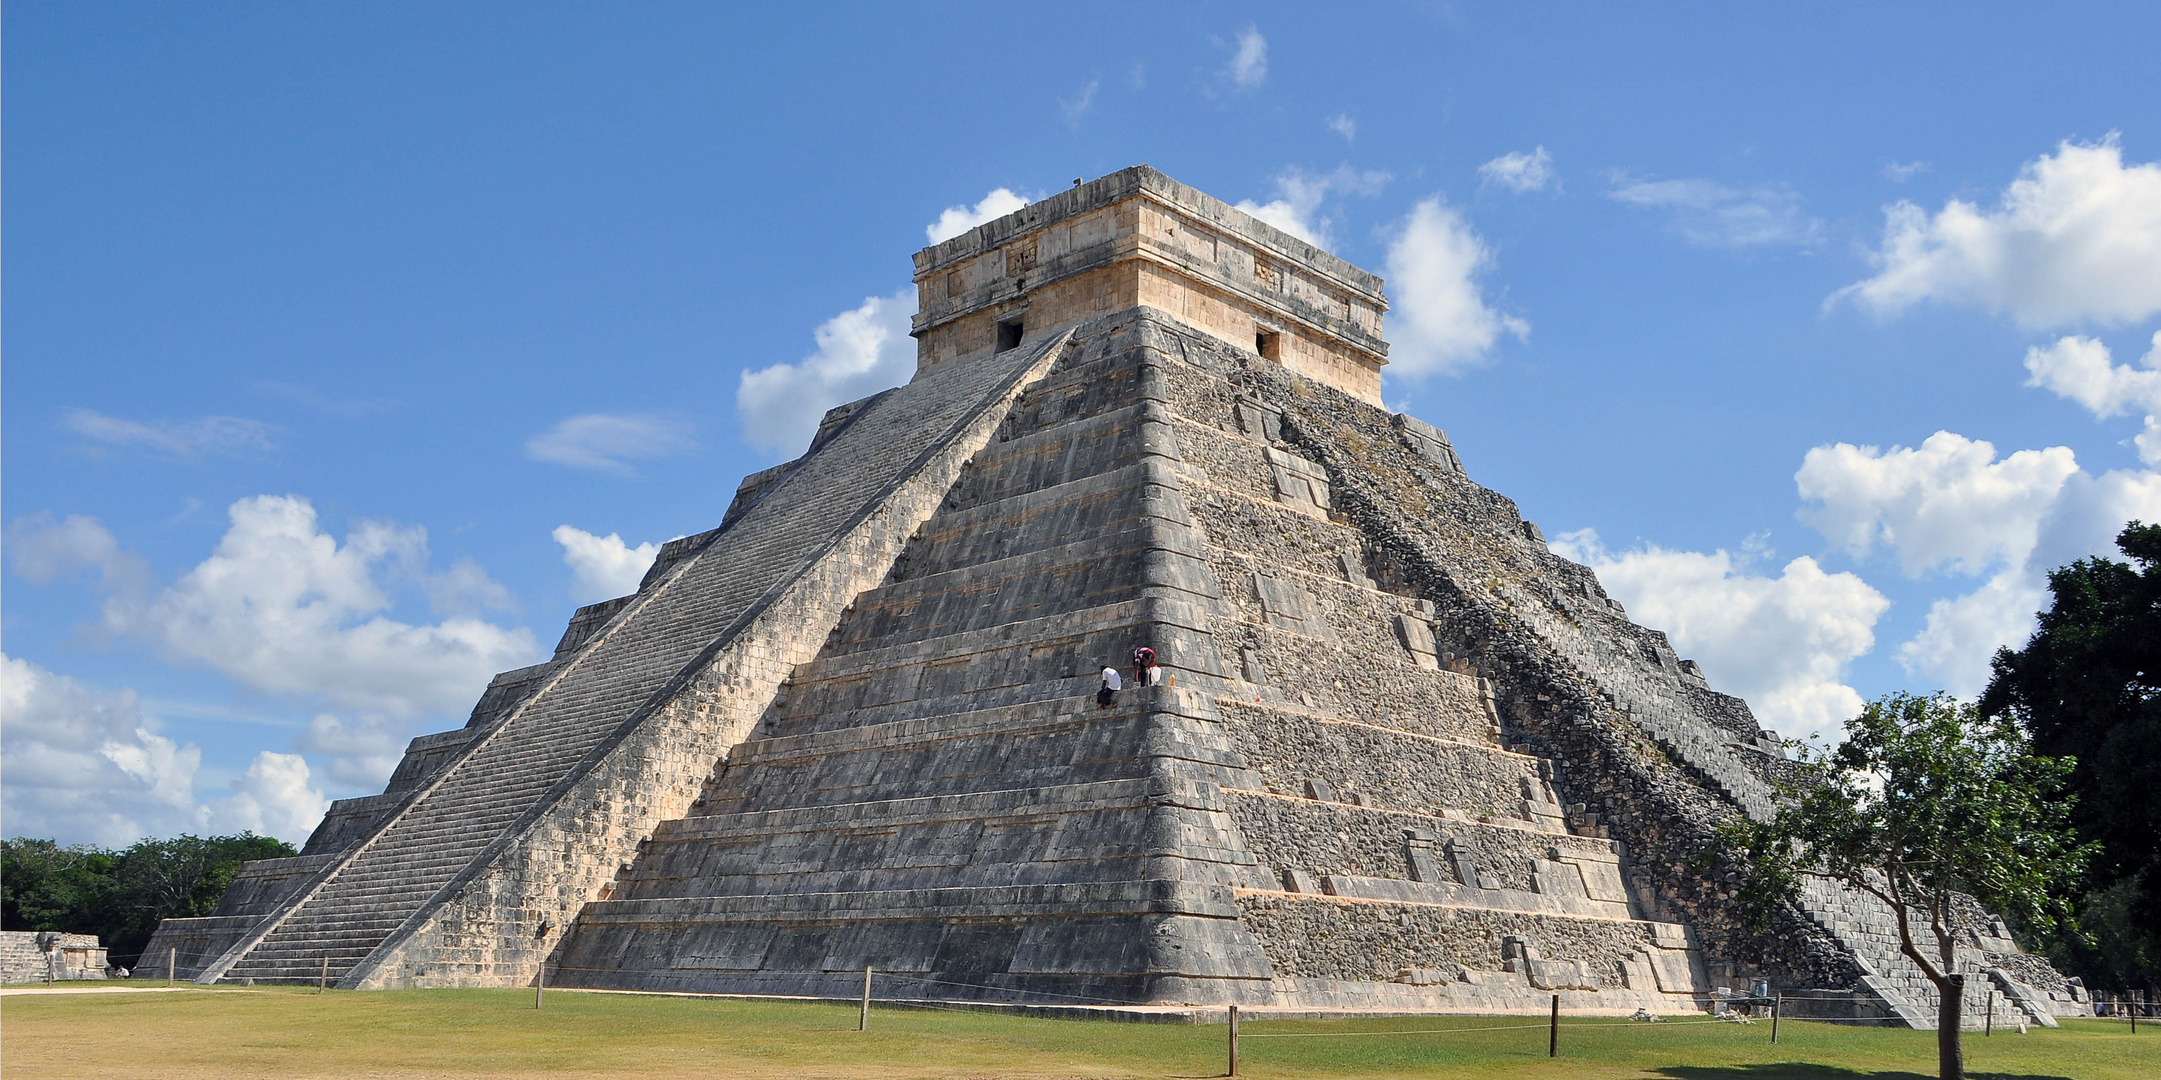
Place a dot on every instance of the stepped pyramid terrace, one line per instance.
(1401, 756)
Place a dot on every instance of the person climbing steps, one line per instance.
(1109, 690)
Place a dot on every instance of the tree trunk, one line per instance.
(1950, 1016)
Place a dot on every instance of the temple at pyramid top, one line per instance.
(1138, 238)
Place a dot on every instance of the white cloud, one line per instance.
(2081, 369)
(1249, 65)
(1342, 124)
(283, 608)
(273, 798)
(2075, 238)
(2088, 514)
(860, 352)
(1710, 214)
(362, 749)
(1520, 172)
(959, 219)
(609, 442)
(1781, 642)
(1441, 323)
(1074, 108)
(1900, 173)
(464, 589)
(1951, 505)
(603, 567)
(1947, 503)
(1299, 195)
(1963, 632)
(43, 551)
(87, 766)
(180, 438)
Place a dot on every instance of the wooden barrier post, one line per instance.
(862, 1022)
(1775, 999)
(540, 979)
(1234, 1042)
(172, 957)
(1988, 1026)
(1553, 1030)
(322, 982)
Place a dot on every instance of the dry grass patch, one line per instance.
(292, 1033)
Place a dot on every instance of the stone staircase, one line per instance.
(810, 537)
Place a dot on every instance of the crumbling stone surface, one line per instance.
(1371, 942)
(36, 955)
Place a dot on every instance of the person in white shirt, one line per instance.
(1112, 683)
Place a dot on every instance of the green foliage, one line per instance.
(121, 895)
(1926, 798)
(44, 886)
(2088, 685)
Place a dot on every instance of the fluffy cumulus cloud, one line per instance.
(84, 763)
(89, 766)
(362, 750)
(1345, 125)
(1951, 505)
(1296, 209)
(1710, 214)
(2082, 369)
(1782, 642)
(603, 567)
(179, 438)
(1947, 503)
(1000, 202)
(2075, 238)
(1520, 172)
(283, 607)
(273, 797)
(1440, 320)
(609, 442)
(1249, 60)
(860, 352)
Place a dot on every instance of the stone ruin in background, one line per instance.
(1406, 758)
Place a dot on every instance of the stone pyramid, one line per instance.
(1401, 756)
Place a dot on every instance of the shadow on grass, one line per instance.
(1779, 1070)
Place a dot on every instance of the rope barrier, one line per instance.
(1618, 1025)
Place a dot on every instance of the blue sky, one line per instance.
(349, 347)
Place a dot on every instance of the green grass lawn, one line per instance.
(282, 1032)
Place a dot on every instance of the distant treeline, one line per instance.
(120, 895)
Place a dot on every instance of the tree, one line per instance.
(1925, 799)
(46, 886)
(2088, 685)
(121, 896)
